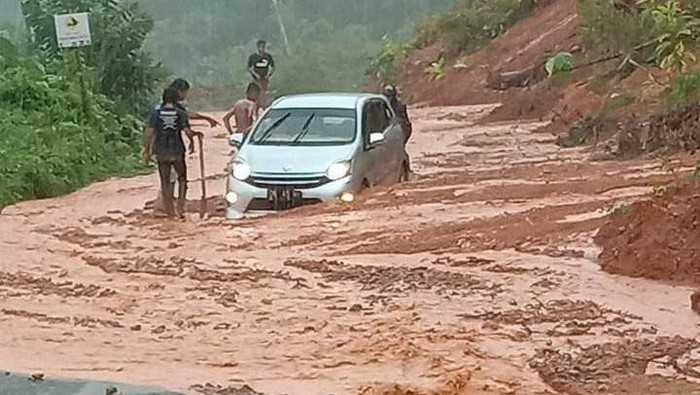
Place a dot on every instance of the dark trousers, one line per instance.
(264, 85)
(165, 166)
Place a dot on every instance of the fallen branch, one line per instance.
(616, 56)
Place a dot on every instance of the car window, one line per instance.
(305, 127)
(387, 115)
(377, 119)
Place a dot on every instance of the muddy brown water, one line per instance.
(479, 277)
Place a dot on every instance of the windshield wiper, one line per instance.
(268, 132)
(304, 129)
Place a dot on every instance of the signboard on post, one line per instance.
(72, 30)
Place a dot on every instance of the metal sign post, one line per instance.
(73, 32)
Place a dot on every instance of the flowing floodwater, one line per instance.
(478, 277)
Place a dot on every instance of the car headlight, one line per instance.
(240, 170)
(338, 170)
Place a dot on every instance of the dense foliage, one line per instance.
(661, 33)
(657, 32)
(57, 134)
(124, 71)
(71, 117)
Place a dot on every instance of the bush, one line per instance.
(606, 31)
(685, 89)
(660, 32)
(57, 135)
(561, 63)
(386, 65)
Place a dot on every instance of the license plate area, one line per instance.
(282, 198)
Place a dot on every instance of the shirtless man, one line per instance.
(245, 111)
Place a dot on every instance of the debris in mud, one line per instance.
(211, 389)
(158, 330)
(695, 301)
(46, 286)
(391, 279)
(470, 262)
(617, 366)
(36, 377)
(549, 251)
(216, 205)
(454, 386)
(143, 264)
(86, 322)
(564, 317)
(355, 308)
(678, 130)
(655, 238)
(184, 268)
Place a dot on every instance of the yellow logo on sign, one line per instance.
(72, 22)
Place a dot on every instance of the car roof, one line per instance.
(323, 100)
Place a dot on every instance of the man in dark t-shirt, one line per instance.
(183, 88)
(163, 137)
(261, 66)
(401, 111)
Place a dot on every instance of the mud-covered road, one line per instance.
(478, 277)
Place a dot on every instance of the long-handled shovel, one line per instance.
(203, 203)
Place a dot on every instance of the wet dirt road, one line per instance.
(478, 277)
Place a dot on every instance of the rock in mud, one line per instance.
(37, 377)
(355, 308)
(695, 301)
(211, 389)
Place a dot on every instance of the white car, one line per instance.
(315, 148)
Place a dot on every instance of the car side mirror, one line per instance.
(376, 138)
(236, 140)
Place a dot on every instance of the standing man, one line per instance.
(401, 113)
(261, 66)
(163, 137)
(400, 109)
(183, 89)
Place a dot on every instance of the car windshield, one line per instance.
(306, 127)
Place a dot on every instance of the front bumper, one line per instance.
(249, 196)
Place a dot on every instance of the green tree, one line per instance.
(122, 69)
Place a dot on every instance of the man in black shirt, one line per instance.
(400, 109)
(163, 137)
(183, 89)
(261, 66)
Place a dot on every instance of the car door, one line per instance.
(384, 163)
(394, 143)
(372, 155)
